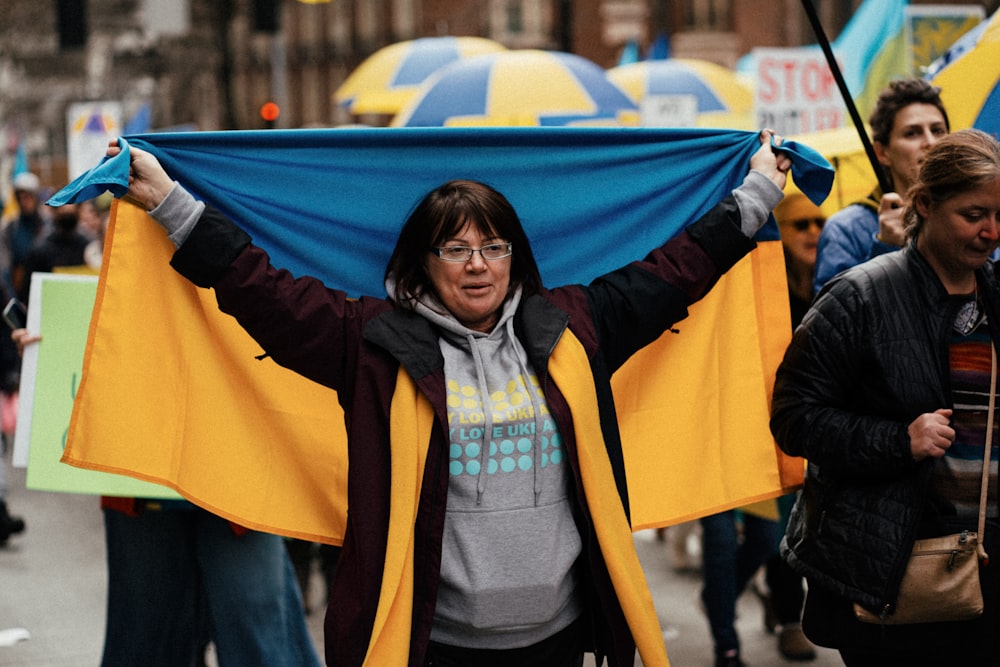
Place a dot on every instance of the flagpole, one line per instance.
(883, 179)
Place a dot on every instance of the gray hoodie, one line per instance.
(508, 493)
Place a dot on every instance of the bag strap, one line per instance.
(984, 488)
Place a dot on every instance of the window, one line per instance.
(515, 18)
(708, 15)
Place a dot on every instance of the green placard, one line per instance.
(65, 303)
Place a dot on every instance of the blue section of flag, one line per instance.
(20, 160)
(330, 203)
(630, 53)
(660, 48)
(141, 122)
(872, 26)
(989, 116)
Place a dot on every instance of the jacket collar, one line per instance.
(934, 288)
(408, 337)
(413, 340)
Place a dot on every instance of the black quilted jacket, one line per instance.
(869, 357)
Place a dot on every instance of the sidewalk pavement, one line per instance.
(53, 585)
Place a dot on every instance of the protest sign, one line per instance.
(59, 310)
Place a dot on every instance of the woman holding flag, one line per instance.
(493, 392)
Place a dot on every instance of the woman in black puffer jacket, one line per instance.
(883, 389)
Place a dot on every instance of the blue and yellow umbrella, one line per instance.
(723, 97)
(519, 87)
(390, 77)
(969, 78)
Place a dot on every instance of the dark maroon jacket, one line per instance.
(357, 346)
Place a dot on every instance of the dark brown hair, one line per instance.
(959, 162)
(442, 213)
(899, 94)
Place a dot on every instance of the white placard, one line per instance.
(796, 92)
(668, 111)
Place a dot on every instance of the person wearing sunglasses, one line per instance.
(800, 222)
(510, 566)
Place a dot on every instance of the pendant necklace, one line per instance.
(969, 315)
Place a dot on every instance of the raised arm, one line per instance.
(300, 323)
(635, 304)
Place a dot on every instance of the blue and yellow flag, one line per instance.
(872, 50)
(969, 77)
(172, 392)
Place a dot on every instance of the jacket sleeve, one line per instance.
(299, 322)
(849, 238)
(831, 403)
(210, 248)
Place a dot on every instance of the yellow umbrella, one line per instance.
(724, 98)
(519, 87)
(386, 81)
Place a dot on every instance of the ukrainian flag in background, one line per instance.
(872, 49)
(10, 207)
(172, 392)
(969, 78)
(882, 43)
(877, 46)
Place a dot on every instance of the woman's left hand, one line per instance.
(148, 183)
(772, 163)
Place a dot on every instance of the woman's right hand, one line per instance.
(931, 434)
(148, 183)
(891, 223)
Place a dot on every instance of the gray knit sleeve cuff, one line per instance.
(756, 198)
(178, 213)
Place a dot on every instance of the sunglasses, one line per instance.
(803, 224)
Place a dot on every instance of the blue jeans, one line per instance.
(179, 576)
(728, 564)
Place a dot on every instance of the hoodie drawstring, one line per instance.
(536, 447)
(487, 405)
(488, 413)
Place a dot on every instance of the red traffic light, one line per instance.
(269, 111)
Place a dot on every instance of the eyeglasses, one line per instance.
(803, 224)
(461, 253)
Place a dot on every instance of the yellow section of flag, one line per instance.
(172, 393)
